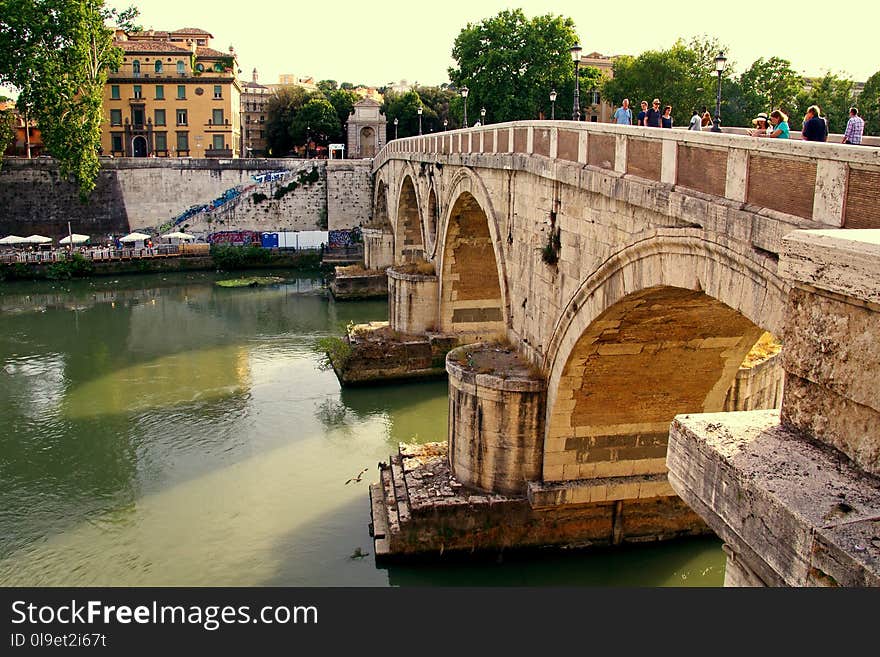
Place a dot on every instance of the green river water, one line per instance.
(160, 430)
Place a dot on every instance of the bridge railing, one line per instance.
(832, 184)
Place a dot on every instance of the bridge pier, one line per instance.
(795, 494)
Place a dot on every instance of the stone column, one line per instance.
(413, 302)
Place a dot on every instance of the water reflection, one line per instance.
(173, 432)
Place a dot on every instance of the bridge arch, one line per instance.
(432, 221)
(473, 284)
(659, 329)
(408, 227)
(380, 218)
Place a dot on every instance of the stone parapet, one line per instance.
(792, 512)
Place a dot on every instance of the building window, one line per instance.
(116, 117)
(136, 68)
(182, 141)
(114, 92)
(181, 92)
(218, 142)
(138, 93)
(161, 140)
(200, 67)
(218, 91)
(159, 117)
(262, 119)
(160, 92)
(217, 117)
(158, 66)
(181, 67)
(181, 117)
(116, 143)
(137, 116)
(218, 67)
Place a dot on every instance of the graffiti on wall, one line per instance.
(228, 199)
(235, 237)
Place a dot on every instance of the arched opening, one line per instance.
(652, 355)
(409, 225)
(380, 208)
(432, 219)
(368, 142)
(136, 67)
(139, 147)
(158, 66)
(470, 287)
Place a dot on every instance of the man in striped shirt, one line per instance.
(855, 127)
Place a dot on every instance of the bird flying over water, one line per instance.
(358, 478)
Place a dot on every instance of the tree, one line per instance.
(343, 104)
(437, 102)
(315, 122)
(683, 76)
(765, 86)
(281, 110)
(510, 63)
(869, 104)
(57, 54)
(7, 130)
(405, 108)
(327, 86)
(833, 95)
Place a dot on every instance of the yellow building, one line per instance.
(173, 96)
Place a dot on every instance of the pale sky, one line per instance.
(389, 40)
(377, 42)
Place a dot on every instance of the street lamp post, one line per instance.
(553, 105)
(464, 94)
(308, 134)
(445, 123)
(483, 116)
(420, 119)
(720, 65)
(576, 58)
(396, 121)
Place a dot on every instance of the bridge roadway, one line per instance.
(634, 268)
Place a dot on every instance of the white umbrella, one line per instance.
(134, 237)
(13, 239)
(37, 239)
(179, 236)
(76, 238)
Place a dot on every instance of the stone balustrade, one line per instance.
(831, 184)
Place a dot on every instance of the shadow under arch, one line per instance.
(380, 218)
(473, 283)
(408, 228)
(659, 329)
(432, 221)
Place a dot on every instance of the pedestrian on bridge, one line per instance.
(778, 126)
(815, 126)
(855, 128)
(643, 114)
(654, 115)
(666, 119)
(623, 115)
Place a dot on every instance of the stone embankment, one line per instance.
(355, 283)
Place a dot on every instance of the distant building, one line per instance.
(254, 98)
(173, 96)
(19, 145)
(401, 87)
(366, 129)
(368, 92)
(291, 80)
(594, 108)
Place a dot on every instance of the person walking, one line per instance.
(623, 115)
(707, 118)
(815, 128)
(643, 114)
(855, 128)
(654, 114)
(696, 121)
(666, 119)
(778, 126)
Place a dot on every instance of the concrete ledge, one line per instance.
(608, 489)
(845, 262)
(813, 517)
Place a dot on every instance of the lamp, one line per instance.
(464, 94)
(720, 65)
(576, 58)
(419, 110)
(483, 116)
(553, 105)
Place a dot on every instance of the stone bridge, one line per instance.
(631, 269)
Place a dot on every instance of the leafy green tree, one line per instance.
(343, 103)
(405, 108)
(326, 86)
(437, 102)
(7, 130)
(766, 85)
(57, 54)
(281, 110)
(682, 76)
(510, 63)
(834, 96)
(317, 122)
(869, 104)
